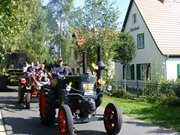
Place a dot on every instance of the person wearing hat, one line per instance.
(59, 69)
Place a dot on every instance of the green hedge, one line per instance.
(165, 92)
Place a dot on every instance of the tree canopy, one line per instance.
(125, 48)
(15, 16)
(23, 26)
(102, 16)
(58, 25)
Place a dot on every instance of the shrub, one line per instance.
(151, 88)
(123, 94)
(164, 92)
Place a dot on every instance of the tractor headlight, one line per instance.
(101, 82)
(68, 87)
(88, 88)
(23, 81)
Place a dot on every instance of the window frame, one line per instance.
(134, 18)
(143, 71)
(140, 41)
(130, 75)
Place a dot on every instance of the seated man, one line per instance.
(57, 75)
(58, 70)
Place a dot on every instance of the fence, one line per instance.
(139, 87)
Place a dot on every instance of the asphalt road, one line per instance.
(19, 121)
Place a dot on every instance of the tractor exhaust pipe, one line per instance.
(101, 65)
(84, 61)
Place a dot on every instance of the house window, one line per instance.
(143, 71)
(134, 18)
(178, 71)
(129, 72)
(140, 41)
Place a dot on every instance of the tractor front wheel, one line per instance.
(112, 119)
(27, 99)
(65, 120)
(21, 92)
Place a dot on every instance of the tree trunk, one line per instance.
(125, 72)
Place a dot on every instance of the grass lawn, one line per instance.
(167, 116)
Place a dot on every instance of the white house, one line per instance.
(155, 26)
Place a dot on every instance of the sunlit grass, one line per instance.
(167, 116)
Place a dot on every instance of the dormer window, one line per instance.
(134, 18)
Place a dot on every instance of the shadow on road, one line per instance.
(90, 132)
(31, 126)
(10, 102)
(139, 123)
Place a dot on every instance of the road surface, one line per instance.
(19, 121)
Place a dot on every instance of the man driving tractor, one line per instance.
(58, 69)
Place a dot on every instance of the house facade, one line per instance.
(155, 27)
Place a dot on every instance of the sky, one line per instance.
(122, 5)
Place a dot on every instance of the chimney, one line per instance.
(162, 1)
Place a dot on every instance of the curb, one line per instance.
(2, 128)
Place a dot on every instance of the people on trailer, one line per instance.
(37, 74)
(26, 66)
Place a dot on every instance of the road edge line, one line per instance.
(2, 126)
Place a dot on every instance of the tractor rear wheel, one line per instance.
(47, 101)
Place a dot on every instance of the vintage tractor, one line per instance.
(24, 95)
(14, 66)
(28, 89)
(77, 98)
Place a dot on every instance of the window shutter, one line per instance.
(178, 71)
(132, 72)
(123, 71)
(138, 72)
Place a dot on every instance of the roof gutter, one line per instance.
(173, 56)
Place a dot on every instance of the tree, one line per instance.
(106, 39)
(102, 16)
(125, 50)
(14, 18)
(96, 14)
(33, 39)
(58, 23)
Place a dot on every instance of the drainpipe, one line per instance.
(165, 68)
